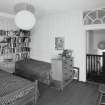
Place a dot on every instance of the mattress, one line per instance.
(13, 87)
(32, 66)
(34, 69)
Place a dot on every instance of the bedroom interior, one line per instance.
(52, 52)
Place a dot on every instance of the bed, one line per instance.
(34, 69)
(15, 90)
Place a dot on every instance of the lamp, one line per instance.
(25, 19)
(101, 45)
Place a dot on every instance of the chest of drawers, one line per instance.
(62, 71)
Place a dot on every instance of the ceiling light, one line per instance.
(25, 19)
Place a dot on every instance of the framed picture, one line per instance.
(76, 73)
(59, 43)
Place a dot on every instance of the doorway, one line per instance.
(95, 56)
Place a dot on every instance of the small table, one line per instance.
(102, 94)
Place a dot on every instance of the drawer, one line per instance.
(68, 68)
(67, 64)
(68, 60)
(68, 71)
(70, 65)
(67, 76)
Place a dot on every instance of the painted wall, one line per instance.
(99, 35)
(90, 42)
(94, 37)
(68, 25)
(7, 22)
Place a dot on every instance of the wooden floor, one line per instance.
(76, 93)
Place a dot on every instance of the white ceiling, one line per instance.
(48, 6)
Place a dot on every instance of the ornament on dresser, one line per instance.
(66, 53)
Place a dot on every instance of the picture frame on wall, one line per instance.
(59, 43)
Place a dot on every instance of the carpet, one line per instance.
(76, 93)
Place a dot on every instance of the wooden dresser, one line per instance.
(62, 72)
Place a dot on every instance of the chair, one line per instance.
(102, 94)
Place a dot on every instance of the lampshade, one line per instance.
(101, 45)
(25, 20)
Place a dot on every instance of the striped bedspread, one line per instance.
(13, 87)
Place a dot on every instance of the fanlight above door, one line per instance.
(94, 17)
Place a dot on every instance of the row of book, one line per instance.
(14, 33)
(12, 45)
(16, 39)
(14, 50)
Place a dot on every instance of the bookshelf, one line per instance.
(14, 46)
